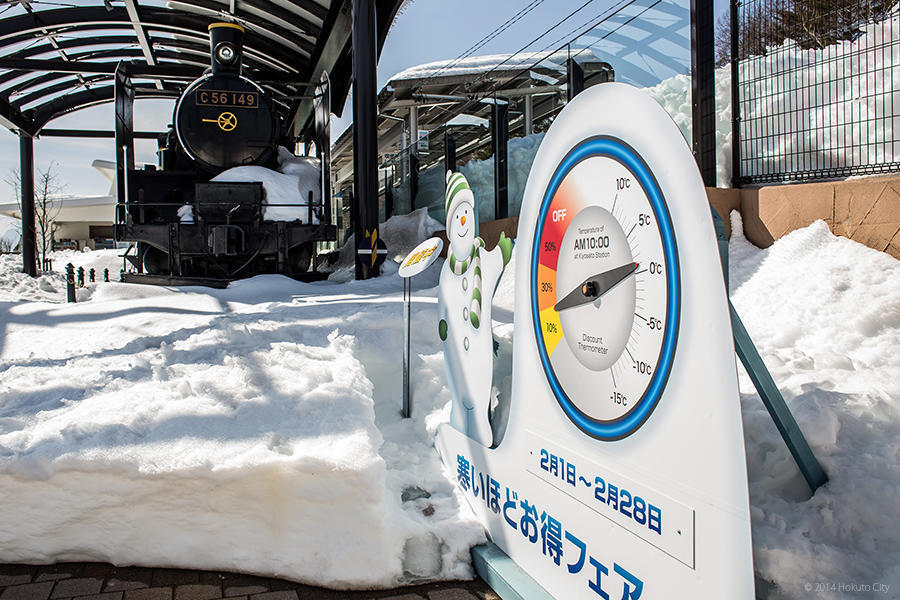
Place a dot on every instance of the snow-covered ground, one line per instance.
(824, 312)
(257, 428)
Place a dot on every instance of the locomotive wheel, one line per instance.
(300, 256)
(156, 262)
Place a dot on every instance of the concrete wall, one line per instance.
(866, 210)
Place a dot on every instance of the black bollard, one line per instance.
(80, 276)
(106, 275)
(92, 277)
(70, 283)
(122, 275)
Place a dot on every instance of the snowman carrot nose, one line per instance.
(463, 221)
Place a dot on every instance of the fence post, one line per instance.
(70, 283)
(92, 276)
(703, 84)
(106, 275)
(80, 276)
(735, 97)
(499, 140)
(449, 152)
(574, 79)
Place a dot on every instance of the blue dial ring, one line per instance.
(615, 429)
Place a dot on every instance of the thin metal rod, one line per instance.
(407, 297)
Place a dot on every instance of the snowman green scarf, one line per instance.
(461, 266)
(457, 193)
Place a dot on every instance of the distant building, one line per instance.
(82, 221)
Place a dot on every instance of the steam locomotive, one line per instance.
(184, 228)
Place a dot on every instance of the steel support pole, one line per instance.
(735, 97)
(574, 79)
(499, 139)
(365, 132)
(26, 180)
(414, 130)
(703, 87)
(449, 152)
(529, 114)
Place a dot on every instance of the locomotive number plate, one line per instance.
(227, 98)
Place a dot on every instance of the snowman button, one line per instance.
(465, 313)
(465, 283)
(466, 343)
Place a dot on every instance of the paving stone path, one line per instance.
(100, 581)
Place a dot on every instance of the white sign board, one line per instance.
(421, 257)
(621, 473)
(422, 140)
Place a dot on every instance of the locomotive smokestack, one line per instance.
(226, 44)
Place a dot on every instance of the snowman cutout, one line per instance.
(469, 278)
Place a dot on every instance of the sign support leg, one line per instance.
(505, 577)
(774, 402)
(762, 380)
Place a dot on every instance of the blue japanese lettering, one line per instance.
(462, 471)
(511, 503)
(551, 537)
(529, 521)
(576, 566)
(597, 584)
(629, 593)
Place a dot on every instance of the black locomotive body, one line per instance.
(185, 228)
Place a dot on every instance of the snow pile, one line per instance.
(480, 175)
(674, 95)
(824, 312)
(252, 429)
(400, 233)
(10, 232)
(50, 286)
(287, 190)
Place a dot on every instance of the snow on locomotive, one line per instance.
(227, 199)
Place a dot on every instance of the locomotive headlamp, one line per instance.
(225, 53)
(226, 42)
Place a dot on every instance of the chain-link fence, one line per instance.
(818, 89)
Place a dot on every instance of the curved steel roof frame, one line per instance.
(55, 60)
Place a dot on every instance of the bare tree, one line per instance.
(47, 188)
(810, 23)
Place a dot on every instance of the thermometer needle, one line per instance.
(595, 286)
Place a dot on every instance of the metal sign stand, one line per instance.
(422, 257)
(762, 380)
(407, 298)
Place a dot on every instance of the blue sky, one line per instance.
(426, 31)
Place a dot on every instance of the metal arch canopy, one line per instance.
(57, 60)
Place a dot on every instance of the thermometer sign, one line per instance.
(605, 280)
